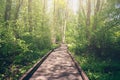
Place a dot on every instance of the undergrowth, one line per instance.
(98, 68)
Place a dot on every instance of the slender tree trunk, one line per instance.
(96, 14)
(18, 9)
(16, 15)
(88, 13)
(88, 19)
(30, 15)
(81, 7)
(54, 23)
(94, 26)
(64, 30)
(65, 22)
(8, 10)
(43, 15)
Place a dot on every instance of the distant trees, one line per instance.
(59, 20)
(97, 21)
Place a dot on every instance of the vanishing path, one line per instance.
(57, 66)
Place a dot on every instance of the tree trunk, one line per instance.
(96, 14)
(8, 10)
(30, 15)
(88, 13)
(65, 22)
(88, 19)
(54, 23)
(43, 14)
(16, 15)
(18, 9)
(64, 30)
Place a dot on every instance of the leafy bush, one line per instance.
(99, 69)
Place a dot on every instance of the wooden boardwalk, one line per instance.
(57, 66)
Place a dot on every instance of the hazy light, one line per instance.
(75, 6)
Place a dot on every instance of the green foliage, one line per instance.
(99, 53)
(98, 69)
(20, 48)
(19, 52)
(26, 37)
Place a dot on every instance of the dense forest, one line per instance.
(90, 28)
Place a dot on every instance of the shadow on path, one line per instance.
(58, 66)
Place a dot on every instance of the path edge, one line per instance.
(31, 71)
(82, 73)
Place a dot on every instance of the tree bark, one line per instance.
(88, 19)
(88, 13)
(18, 9)
(30, 15)
(16, 15)
(44, 12)
(97, 8)
(54, 23)
(65, 22)
(8, 10)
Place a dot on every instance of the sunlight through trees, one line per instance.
(29, 28)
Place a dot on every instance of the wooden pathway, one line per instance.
(57, 66)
